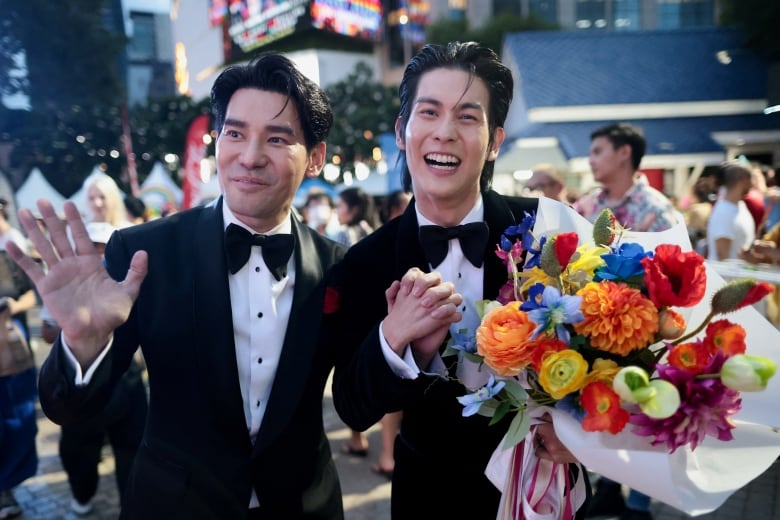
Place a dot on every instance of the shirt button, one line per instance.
(259, 314)
(460, 275)
(257, 269)
(259, 361)
(258, 402)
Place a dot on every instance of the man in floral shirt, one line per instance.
(615, 153)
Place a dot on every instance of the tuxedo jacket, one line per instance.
(438, 453)
(196, 459)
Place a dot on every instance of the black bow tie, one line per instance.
(473, 239)
(276, 249)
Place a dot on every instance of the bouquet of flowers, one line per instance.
(594, 328)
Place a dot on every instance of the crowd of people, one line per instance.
(200, 344)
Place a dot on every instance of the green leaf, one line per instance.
(515, 394)
(501, 411)
(518, 429)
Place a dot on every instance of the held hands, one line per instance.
(84, 300)
(420, 310)
(548, 446)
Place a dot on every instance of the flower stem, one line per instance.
(696, 330)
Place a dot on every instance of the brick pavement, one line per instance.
(366, 495)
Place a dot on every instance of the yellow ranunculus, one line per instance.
(562, 373)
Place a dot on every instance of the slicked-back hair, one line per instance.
(620, 134)
(479, 62)
(275, 73)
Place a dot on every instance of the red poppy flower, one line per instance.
(691, 357)
(674, 278)
(602, 408)
(725, 336)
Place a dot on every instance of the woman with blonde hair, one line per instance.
(105, 202)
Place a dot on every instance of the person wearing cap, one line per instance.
(122, 420)
(546, 180)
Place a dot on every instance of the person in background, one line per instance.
(104, 202)
(390, 424)
(453, 102)
(754, 198)
(318, 212)
(394, 205)
(730, 228)
(357, 215)
(18, 392)
(546, 180)
(122, 420)
(135, 209)
(228, 322)
(616, 151)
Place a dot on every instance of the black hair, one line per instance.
(480, 62)
(620, 134)
(363, 203)
(276, 73)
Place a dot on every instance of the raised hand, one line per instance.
(420, 310)
(84, 300)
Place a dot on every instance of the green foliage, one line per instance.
(759, 19)
(160, 128)
(362, 109)
(490, 35)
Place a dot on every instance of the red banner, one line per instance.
(194, 153)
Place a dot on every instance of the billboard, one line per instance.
(253, 23)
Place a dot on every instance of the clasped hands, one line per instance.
(75, 287)
(420, 309)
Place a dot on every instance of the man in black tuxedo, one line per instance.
(454, 100)
(228, 324)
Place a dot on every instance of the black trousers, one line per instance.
(121, 423)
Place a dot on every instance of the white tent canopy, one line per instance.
(159, 191)
(37, 187)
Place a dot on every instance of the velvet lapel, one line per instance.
(408, 250)
(498, 216)
(214, 323)
(300, 340)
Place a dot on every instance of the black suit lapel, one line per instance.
(499, 215)
(215, 348)
(409, 252)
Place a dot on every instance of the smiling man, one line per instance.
(454, 100)
(227, 321)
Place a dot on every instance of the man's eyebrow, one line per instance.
(466, 105)
(234, 122)
(281, 129)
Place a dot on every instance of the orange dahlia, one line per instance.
(618, 318)
(503, 339)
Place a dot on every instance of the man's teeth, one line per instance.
(445, 160)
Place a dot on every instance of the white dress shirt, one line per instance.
(468, 281)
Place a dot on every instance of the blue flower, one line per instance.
(623, 264)
(534, 300)
(555, 311)
(535, 254)
(464, 342)
(521, 231)
(472, 402)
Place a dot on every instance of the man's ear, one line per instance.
(498, 139)
(399, 137)
(316, 160)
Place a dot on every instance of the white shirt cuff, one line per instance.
(86, 377)
(405, 367)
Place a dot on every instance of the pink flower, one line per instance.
(706, 409)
